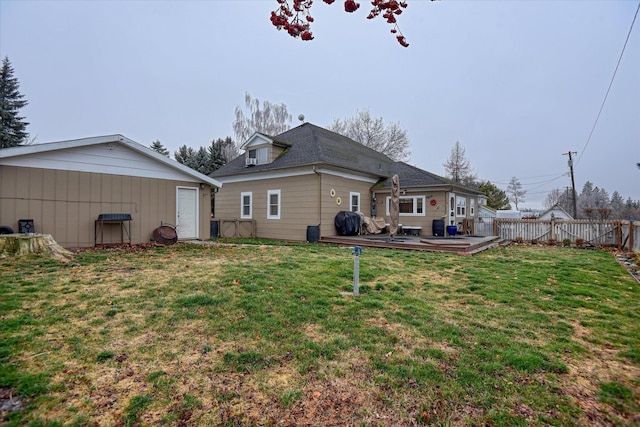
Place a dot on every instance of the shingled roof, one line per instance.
(411, 176)
(313, 145)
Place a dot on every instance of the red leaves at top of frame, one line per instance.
(351, 6)
(295, 19)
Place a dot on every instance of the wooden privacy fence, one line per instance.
(237, 228)
(621, 234)
(634, 236)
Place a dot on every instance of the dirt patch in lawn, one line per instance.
(585, 376)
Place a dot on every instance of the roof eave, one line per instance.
(106, 139)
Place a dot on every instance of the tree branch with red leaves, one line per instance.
(295, 18)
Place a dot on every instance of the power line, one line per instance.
(609, 88)
(573, 182)
(555, 177)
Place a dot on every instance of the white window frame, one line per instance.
(415, 206)
(461, 206)
(473, 207)
(357, 205)
(261, 155)
(269, 194)
(242, 196)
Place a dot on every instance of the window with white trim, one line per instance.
(246, 205)
(273, 204)
(260, 154)
(473, 207)
(461, 206)
(409, 205)
(355, 202)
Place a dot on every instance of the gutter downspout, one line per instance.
(319, 195)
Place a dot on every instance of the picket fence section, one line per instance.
(635, 237)
(621, 234)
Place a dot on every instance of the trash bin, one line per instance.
(214, 229)
(438, 227)
(313, 233)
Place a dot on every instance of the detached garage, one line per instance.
(64, 188)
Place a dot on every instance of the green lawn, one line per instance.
(260, 334)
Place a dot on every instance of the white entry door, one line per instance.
(187, 213)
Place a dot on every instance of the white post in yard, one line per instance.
(357, 251)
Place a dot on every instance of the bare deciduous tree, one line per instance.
(515, 191)
(564, 199)
(593, 202)
(457, 167)
(270, 119)
(391, 140)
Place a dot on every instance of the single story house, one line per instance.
(555, 212)
(508, 214)
(64, 187)
(305, 176)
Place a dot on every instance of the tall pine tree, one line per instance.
(496, 198)
(12, 125)
(159, 148)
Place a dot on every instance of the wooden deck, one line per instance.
(461, 244)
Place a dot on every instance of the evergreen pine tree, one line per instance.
(185, 155)
(496, 198)
(221, 151)
(159, 148)
(12, 125)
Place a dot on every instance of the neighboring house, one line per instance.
(303, 177)
(508, 214)
(64, 187)
(555, 212)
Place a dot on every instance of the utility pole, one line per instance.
(573, 183)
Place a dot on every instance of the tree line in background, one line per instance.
(205, 159)
(392, 140)
(592, 203)
(274, 119)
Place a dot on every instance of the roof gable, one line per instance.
(553, 211)
(111, 154)
(256, 139)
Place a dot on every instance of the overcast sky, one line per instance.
(517, 83)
